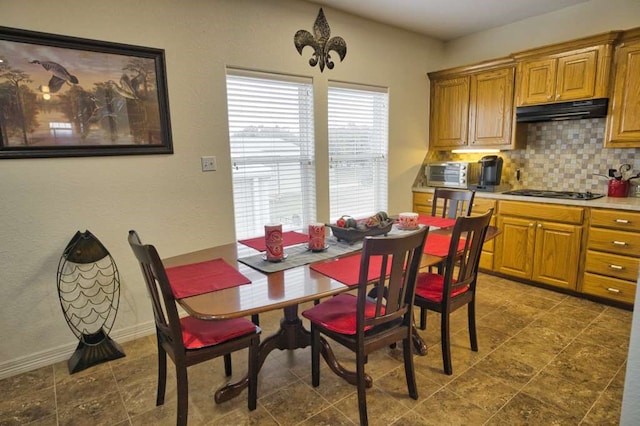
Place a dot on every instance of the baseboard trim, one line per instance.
(64, 352)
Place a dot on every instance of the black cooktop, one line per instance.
(565, 195)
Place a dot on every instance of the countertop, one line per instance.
(620, 203)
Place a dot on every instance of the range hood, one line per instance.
(576, 110)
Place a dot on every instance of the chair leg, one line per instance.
(362, 390)
(227, 365)
(255, 318)
(162, 374)
(446, 344)
(409, 372)
(315, 356)
(183, 393)
(473, 336)
(423, 318)
(253, 374)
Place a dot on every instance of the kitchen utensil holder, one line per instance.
(618, 188)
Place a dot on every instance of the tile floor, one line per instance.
(545, 358)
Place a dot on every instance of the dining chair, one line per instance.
(449, 203)
(453, 202)
(370, 320)
(456, 287)
(189, 340)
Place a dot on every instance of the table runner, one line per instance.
(435, 221)
(289, 238)
(347, 269)
(300, 255)
(203, 277)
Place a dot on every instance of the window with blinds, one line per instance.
(272, 151)
(358, 120)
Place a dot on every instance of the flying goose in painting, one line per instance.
(60, 75)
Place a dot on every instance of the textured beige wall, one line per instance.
(166, 198)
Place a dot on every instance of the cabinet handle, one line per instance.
(619, 243)
(530, 225)
(616, 267)
(613, 290)
(539, 225)
(622, 221)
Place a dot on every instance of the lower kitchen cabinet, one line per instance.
(613, 255)
(539, 242)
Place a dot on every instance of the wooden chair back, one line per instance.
(165, 311)
(453, 202)
(394, 295)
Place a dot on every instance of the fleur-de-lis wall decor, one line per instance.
(321, 43)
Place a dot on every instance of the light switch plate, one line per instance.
(208, 164)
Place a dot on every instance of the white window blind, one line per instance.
(272, 151)
(358, 145)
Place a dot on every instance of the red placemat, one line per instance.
(289, 238)
(440, 222)
(347, 269)
(203, 277)
(438, 245)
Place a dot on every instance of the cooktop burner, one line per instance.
(567, 195)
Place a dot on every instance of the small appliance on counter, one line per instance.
(490, 175)
(452, 174)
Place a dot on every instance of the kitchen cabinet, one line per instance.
(613, 255)
(473, 107)
(563, 72)
(539, 242)
(623, 121)
(422, 202)
(449, 112)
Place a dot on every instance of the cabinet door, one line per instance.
(514, 247)
(557, 251)
(538, 80)
(491, 108)
(449, 113)
(576, 76)
(623, 122)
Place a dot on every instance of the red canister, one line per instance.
(618, 188)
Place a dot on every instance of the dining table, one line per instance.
(285, 288)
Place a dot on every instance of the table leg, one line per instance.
(291, 335)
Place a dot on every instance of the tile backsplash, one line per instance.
(559, 155)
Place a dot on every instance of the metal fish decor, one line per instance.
(321, 42)
(89, 292)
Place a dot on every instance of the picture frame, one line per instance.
(63, 96)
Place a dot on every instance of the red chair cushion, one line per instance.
(197, 333)
(338, 314)
(430, 286)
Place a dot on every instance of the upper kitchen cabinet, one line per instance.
(574, 70)
(623, 121)
(472, 107)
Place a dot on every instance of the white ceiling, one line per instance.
(446, 19)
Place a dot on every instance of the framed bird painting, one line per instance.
(64, 96)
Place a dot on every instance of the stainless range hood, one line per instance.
(576, 110)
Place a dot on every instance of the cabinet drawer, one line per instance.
(423, 199)
(613, 265)
(481, 205)
(616, 219)
(550, 212)
(609, 288)
(612, 241)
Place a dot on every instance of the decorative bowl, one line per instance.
(351, 235)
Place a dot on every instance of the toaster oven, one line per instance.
(452, 174)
